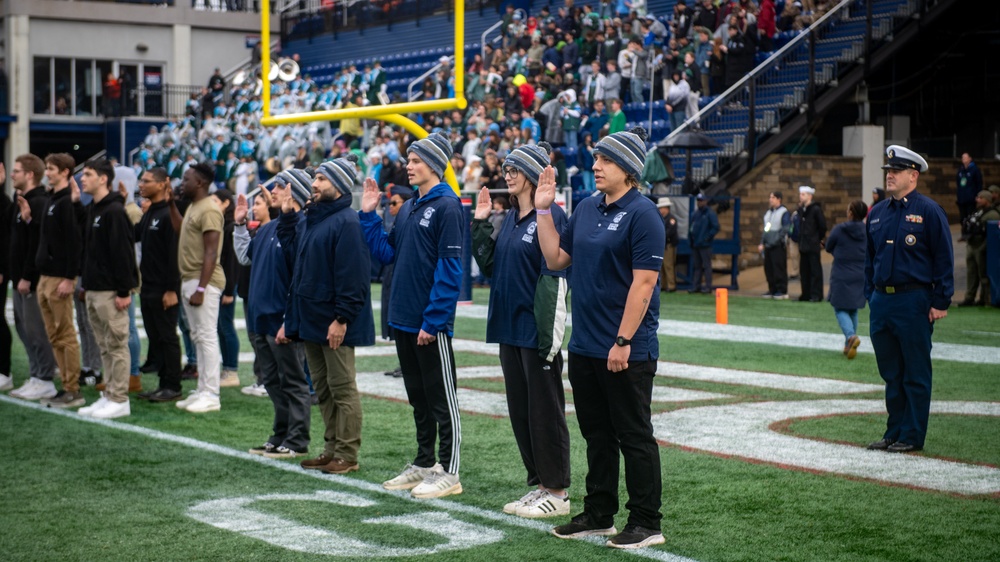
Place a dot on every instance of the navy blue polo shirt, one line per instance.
(517, 264)
(909, 242)
(608, 242)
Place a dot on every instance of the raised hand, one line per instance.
(483, 204)
(3, 173)
(22, 205)
(241, 210)
(371, 197)
(545, 193)
(266, 195)
(288, 204)
(74, 189)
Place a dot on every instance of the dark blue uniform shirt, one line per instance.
(610, 241)
(517, 264)
(909, 242)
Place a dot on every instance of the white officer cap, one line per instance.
(902, 158)
(663, 202)
(806, 189)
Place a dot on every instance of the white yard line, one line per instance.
(345, 481)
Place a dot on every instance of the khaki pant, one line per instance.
(57, 313)
(793, 258)
(334, 377)
(111, 330)
(668, 271)
(975, 263)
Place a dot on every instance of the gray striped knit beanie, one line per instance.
(627, 149)
(300, 184)
(280, 180)
(530, 160)
(341, 172)
(435, 151)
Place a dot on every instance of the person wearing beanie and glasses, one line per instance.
(527, 317)
(615, 245)
(271, 276)
(425, 248)
(329, 306)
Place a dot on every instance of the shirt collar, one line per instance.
(622, 201)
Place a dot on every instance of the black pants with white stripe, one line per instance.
(429, 377)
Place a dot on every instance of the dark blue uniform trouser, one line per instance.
(901, 336)
(613, 410)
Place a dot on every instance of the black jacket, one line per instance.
(109, 263)
(6, 219)
(60, 246)
(670, 225)
(158, 241)
(812, 228)
(24, 238)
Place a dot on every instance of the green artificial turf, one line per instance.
(75, 490)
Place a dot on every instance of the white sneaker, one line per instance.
(229, 378)
(544, 505)
(110, 410)
(411, 477)
(255, 389)
(35, 389)
(6, 383)
(206, 402)
(192, 396)
(511, 508)
(437, 484)
(88, 410)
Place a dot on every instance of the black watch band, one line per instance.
(341, 320)
(622, 342)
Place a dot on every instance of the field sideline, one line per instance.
(762, 425)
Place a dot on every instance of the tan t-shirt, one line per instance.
(201, 217)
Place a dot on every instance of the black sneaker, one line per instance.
(90, 378)
(265, 448)
(881, 444)
(190, 372)
(164, 395)
(582, 526)
(64, 399)
(634, 536)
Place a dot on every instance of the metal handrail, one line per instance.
(766, 65)
(420, 79)
(482, 38)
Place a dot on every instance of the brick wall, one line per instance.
(837, 180)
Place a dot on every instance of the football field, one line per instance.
(762, 425)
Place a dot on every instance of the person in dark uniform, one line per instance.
(812, 236)
(909, 283)
(614, 243)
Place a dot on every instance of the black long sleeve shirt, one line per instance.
(110, 248)
(60, 246)
(158, 242)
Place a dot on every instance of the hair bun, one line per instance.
(351, 157)
(545, 146)
(639, 132)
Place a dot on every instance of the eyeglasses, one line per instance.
(394, 203)
(512, 172)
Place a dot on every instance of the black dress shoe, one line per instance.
(165, 395)
(148, 367)
(881, 445)
(900, 447)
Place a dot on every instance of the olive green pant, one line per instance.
(334, 378)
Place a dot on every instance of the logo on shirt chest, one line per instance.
(428, 213)
(51, 209)
(529, 236)
(97, 222)
(616, 222)
(155, 224)
(910, 239)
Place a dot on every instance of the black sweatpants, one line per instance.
(614, 414)
(430, 381)
(285, 381)
(537, 406)
(776, 269)
(161, 333)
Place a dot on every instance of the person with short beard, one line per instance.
(23, 273)
(329, 306)
(161, 284)
(109, 276)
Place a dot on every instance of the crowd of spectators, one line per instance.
(563, 75)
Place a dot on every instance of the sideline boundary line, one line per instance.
(344, 481)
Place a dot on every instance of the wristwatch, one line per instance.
(622, 342)
(341, 320)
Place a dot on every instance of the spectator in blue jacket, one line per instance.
(847, 243)
(425, 248)
(329, 305)
(702, 228)
(970, 182)
(271, 276)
